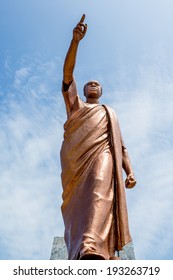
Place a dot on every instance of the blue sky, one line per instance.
(128, 48)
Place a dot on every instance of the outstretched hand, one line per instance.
(80, 30)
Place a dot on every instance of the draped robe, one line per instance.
(94, 205)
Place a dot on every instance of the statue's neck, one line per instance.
(92, 100)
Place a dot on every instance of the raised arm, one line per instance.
(78, 33)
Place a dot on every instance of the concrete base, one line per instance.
(59, 250)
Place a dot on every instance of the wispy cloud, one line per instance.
(147, 123)
(30, 138)
(21, 75)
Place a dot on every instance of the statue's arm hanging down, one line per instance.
(92, 158)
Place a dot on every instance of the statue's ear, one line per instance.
(84, 90)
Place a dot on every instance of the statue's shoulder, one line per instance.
(111, 112)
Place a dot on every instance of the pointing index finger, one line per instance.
(82, 18)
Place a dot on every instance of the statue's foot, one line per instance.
(115, 258)
(87, 254)
(92, 257)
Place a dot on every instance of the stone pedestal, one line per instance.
(59, 250)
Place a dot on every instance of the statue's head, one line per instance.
(92, 90)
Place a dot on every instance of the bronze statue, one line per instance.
(92, 157)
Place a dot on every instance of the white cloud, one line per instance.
(30, 187)
(146, 119)
(20, 76)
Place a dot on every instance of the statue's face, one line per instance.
(92, 89)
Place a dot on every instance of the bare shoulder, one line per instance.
(70, 95)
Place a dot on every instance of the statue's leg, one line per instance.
(98, 210)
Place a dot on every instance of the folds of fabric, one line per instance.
(121, 216)
(94, 206)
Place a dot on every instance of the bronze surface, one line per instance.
(93, 156)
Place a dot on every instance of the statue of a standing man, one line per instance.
(92, 158)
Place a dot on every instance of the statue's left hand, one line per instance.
(130, 181)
